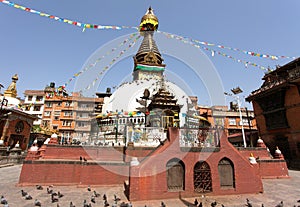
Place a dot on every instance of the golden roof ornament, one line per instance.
(149, 21)
(11, 91)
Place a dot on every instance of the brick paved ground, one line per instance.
(275, 190)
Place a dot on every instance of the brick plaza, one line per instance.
(275, 190)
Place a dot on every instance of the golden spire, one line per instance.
(149, 21)
(11, 91)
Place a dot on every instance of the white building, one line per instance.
(34, 104)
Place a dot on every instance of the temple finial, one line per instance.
(11, 91)
(149, 21)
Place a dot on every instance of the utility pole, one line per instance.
(249, 124)
(241, 121)
(235, 92)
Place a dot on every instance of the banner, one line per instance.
(71, 22)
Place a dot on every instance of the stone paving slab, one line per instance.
(275, 190)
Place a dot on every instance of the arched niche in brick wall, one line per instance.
(226, 173)
(175, 175)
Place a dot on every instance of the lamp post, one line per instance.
(235, 92)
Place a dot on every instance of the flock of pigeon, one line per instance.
(248, 204)
(56, 196)
(95, 197)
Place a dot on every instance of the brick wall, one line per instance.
(60, 165)
(149, 179)
(88, 152)
(72, 173)
(275, 168)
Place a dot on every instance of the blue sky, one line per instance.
(41, 50)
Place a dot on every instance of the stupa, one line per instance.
(148, 144)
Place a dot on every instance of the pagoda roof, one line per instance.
(278, 78)
(163, 99)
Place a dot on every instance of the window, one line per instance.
(232, 121)
(56, 113)
(48, 104)
(36, 108)
(39, 98)
(244, 122)
(81, 124)
(68, 113)
(59, 104)
(45, 123)
(47, 113)
(84, 106)
(219, 121)
(67, 123)
(202, 177)
(69, 103)
(29, 98)
(83, 115)
(27, 108)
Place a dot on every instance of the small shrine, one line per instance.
(165, 109)
(15, 125)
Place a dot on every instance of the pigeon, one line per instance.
(200, 204)
(213, 204)
(106, 203)
(196, 202)
(85, 203)
(80, 158)
(39, 187)
(60, 195)
(71, 204)
(96, 194)
(23, 193)
(6, 205)
(248, 203)
(3, 200)
(93, 199)
(28, 197)
(280, 204)
(116, 198)
(54, 194)
(89, 188)
(104, 197)
(49, 191)
(162, 204)
(53, 199)
(84, 159)
(123, 204)
(37, 203)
